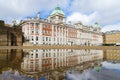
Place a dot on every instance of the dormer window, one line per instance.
(32, 24)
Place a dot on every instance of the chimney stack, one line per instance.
(38, 15)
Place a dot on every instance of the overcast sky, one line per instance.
(105, 12)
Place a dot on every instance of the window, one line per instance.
(43, 38)
(32, 24)
(32, 31)
(37, 24)
(43, 31)
(54, 54)
(36, 38)
(49, 32)
(46, 55)
(31, 55)
(43, 55)
(95, 29)
(32, 28)
(43, 50)
(37, 30)
(60, 39)
(49, 39)
(46, 32)
(49, 54)
(46, 38)
(54, 33)
(36, 55)
(46, 26)
(32, 38)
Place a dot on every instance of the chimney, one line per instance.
(38, 15)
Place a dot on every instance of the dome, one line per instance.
(57, 10)
(96, 25)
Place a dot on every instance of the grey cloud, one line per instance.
(108, 9)
(16, 9)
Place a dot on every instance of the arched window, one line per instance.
(36, 55)
(46, 54)
(31, 55)
(36, 38)
(43, 55)
(49, 54)
(54, 54)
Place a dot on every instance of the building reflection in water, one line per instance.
(112, 55)
(53, 63)
(49, 63)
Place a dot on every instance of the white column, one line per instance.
(65, 36)
(34, 34)
(62, 37)
(40, 34)
(40, 59)
(29, 29)
(56, 52)
(56, 34)
(59, 35)
(52, 53)
(52, 37)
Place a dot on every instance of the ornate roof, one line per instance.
(57, 10)
(96, 25)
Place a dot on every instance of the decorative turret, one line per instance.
(57, 16)
(96, 27)
(57, 11)
(78, 25)
(38, 15)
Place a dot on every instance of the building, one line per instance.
(111, 37)
(112, 55)
(55, 31)
(10, 35)
(39, 61)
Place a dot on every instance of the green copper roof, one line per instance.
(97, 68)
(57, 10)
(96, 25)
